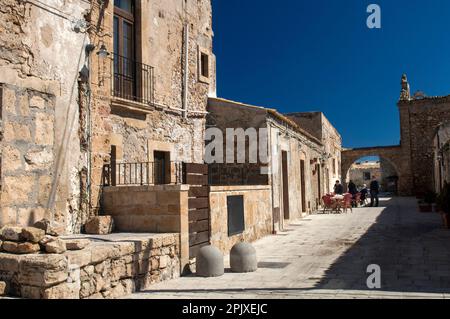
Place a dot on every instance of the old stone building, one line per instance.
(295, 166)
(87, 82)
(413, 160)
(319, 126)
(362, 173)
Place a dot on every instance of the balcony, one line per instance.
(132, 80)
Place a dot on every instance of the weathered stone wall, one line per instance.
(309, 121)
(40, 55)
(105, 269)
(388, 176)
(225, 114)
(419, 121)
(27, 155)
(44, 49)
(257, 214)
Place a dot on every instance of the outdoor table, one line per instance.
(339, 201)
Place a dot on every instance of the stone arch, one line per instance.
(392, 154)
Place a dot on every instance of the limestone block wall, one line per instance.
(100, 271)
(257, 214)
(150, 209)
(42, 53)
(27, 155)
(154, 209)
(419, 124)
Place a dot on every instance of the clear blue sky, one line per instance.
(298, 55)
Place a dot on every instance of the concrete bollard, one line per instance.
(209, 262)
(243, 258)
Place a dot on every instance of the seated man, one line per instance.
(364, 193)
(338, 188)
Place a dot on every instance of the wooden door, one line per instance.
(196, 175)
(303, 185)
(319, 190)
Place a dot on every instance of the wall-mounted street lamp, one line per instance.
(103, 52)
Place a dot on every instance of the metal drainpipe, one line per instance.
(89, 131)
(186, 69)
(269, 148)
(280, 180)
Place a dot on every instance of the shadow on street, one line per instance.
(412, 249)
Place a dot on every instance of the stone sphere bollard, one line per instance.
(209, 262)
(243, 258)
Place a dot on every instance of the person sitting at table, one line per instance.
(338, 188)
(364, 191)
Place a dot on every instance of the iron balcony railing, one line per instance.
(132, 80)
(143, 173)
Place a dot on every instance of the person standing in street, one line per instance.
(374, 192)
(352, 188)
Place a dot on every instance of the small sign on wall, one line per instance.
(235, 208)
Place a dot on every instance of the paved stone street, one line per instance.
(326, 256)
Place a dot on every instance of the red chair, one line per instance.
(347, 202)
(356, 200)
(329, 204)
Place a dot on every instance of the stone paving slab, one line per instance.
(326, 256)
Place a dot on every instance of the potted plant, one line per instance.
(426, 205)
(443, 204)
